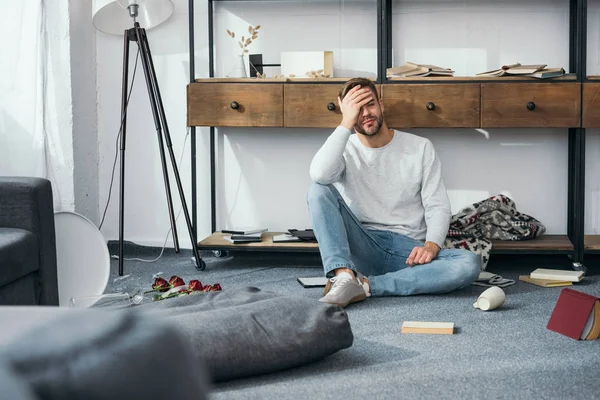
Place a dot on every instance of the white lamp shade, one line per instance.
(112, 17)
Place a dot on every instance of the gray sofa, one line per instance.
(28, 274)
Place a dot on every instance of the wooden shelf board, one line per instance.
(216, 241)
(566, 77)
(543, 243)
(592, 242)
(593, 77)
(269, 80)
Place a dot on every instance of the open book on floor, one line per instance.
(576, 315)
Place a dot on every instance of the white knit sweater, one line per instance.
(397, 187)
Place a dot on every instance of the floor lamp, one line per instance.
(113, 17)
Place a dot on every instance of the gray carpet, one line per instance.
(506, 353)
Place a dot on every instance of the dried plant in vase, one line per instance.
(244, 42)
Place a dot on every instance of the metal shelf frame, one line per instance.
(576, 136)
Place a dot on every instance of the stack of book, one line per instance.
(410, 69)
(552, 277)
(533, 71)
(244, 235)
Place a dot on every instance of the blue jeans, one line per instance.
(381, 255)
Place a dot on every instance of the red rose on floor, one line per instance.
(195, 285)
(212, 288)
(176, 281)
(161, 285)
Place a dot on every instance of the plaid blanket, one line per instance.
(495, 218)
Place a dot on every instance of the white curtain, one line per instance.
(23, 54)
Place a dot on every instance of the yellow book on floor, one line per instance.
(544, 282)
(438, 328)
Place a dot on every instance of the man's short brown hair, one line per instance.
(363, 82)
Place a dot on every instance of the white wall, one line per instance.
(263, 173)
(85, 118)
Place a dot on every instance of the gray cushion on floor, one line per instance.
(250, 332)
(12, 387)
(115, 355)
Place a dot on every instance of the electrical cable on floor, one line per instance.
(117, 141)
(176, 218)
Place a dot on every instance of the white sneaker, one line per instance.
(365, 285)
(344, 289)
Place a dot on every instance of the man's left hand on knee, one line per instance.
(423, 254)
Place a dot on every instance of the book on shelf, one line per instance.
(500, 71)
(532, 70)
(286, 238)
(576, 315)
(240, 239)
(557, 275)
(410, 69)
(548, 73)
(544, 282)
(244, 230)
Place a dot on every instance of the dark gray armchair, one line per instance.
(28, 274)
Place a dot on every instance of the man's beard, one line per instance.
(372, 131)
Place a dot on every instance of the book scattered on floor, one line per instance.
(245, 230)
(237, 238)
(544, 282)
(317, 281)
(557, 275)
(286, 238)
(488, 279)
(410, 69)
(534, 70)
(576, 315)
(437, 328)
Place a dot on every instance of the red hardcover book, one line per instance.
(571, 313)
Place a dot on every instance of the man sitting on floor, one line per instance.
(380, 210)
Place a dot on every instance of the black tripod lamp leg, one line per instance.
(199, 262)
(122, 147)
(153, 94)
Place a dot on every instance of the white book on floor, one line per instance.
(557, 275)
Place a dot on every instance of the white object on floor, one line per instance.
(82, 258)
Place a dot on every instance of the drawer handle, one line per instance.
(531, 106)
(234, 105)
(331, 107)
(430, 106)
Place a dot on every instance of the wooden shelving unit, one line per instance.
(592, 243)
(460, 102)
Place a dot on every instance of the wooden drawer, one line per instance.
(235, 104)
(312, 105)
(528, 105)
(431, 105)
(591, 105)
